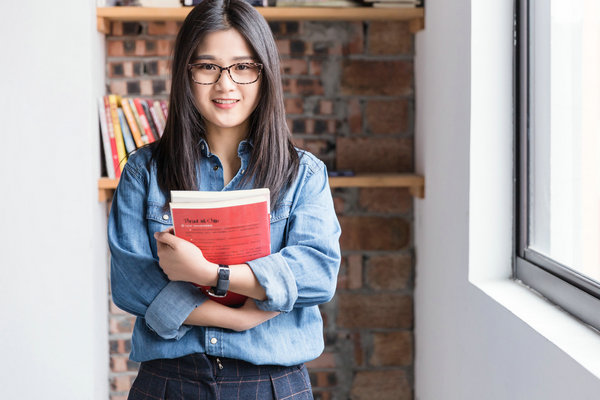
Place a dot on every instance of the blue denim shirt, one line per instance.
(300, 273)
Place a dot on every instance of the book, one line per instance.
(143, 119)
(113, 101)
(158, 116)
(127, 137)
(148, 114)
(137, 120)
(132, 122)
(230, 227)
(111, 135)
(106, 146)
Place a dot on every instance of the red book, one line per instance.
(230, 227)
(144, 120)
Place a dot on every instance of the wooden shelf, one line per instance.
(414, 15)
(415, 183)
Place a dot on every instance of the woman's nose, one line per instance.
(225, 81)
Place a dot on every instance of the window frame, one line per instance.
(567, 288)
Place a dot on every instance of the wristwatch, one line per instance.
(222, 282)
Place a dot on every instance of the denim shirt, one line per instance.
(298, 275)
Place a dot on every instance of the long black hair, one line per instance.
(274, 160)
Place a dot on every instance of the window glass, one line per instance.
(564, 135)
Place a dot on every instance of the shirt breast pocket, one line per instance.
(158, 219)
(279, 224)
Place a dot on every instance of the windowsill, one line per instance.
(532, 321)
(574, 338)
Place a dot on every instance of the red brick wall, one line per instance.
(350, 100)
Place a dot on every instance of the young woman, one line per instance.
(226, 130)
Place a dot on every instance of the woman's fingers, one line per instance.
(167, 238)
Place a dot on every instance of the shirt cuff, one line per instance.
(171, 307)
(274, 274)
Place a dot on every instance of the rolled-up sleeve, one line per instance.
(304, 272)
(138, 284)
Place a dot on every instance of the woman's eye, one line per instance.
(207, 67)
(243, 67)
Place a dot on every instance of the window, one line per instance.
(558, 247)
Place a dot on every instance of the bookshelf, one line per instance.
(415, 16)
(414, 183)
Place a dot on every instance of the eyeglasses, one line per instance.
(240, 73)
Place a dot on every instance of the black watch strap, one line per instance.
(222, 282)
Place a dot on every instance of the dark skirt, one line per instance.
(202, 377)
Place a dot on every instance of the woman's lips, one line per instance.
(225, 104)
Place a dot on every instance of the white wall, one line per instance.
(478, 334)
(53, 322)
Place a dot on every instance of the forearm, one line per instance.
(211, 313)
(243, 281)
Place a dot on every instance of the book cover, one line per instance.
(111, 135)
(157, 116)
(230, 227)
(127, 136)
(143, 120)
(108, 156)
(137, 120)
(132, 122)
(113, 101)
(164, 107)
(150, 119)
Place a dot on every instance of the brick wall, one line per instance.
(350, 100)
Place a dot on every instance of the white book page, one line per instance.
(183, 198)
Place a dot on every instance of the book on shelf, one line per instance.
(230, 227)
(150, 119)
(122, 129)
(143, 120)
(136, 117)
(132, 122)
(163, 107)
(157, 115)
(113, 101)
(127, 137)
(106, 140)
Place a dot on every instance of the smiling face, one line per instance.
(225, 106)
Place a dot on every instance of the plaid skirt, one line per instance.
(202, 377)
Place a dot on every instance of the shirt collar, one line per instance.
(245, 146)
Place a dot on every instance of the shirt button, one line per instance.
(166, 217)
(213, 340)
(216, 167)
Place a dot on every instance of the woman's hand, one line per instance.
(183, 261)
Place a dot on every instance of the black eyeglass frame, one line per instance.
(228, 69)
